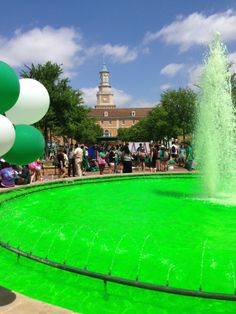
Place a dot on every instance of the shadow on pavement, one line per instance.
(6, 296)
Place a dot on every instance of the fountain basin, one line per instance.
(156, 229)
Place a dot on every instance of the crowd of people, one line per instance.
(77, 160)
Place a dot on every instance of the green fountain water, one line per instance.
(216, 125)
(167, 234)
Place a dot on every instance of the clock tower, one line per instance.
(104, 94)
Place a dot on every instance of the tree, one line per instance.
(233, 88)
(179, 106)
(175, 115)
(135, 133)
(157, 124)
(124, 134)
(67, 116)
(139, 132)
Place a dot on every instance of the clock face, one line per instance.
(105, 99)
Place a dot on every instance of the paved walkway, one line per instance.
(16, 303)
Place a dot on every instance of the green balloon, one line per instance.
(28, 146)
(9, 87)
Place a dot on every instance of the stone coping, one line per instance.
(95, 176)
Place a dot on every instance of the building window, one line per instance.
(106, 133)
(105, 114)
(123, 122)
(133, 113)
(134, 122)
(102, 122)
(110, 122)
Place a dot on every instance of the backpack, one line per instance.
(166, 155)
(173, 149)
(142, 156)
(111, 156)
(71, 154)
(55, 162)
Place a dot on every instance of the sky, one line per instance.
(148, 46)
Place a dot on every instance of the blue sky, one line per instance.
(149, 46)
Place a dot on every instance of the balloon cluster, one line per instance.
(22, 102)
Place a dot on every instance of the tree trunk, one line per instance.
(50, 137)
(46, 139)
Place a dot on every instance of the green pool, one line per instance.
(156, 229)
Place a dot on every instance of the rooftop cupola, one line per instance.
(104, 94)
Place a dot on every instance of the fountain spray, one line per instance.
(215, 140)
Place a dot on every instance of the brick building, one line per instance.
(107, 115)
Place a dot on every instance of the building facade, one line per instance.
(108, 116)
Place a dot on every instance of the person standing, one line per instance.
(127, 159)
(116, 158)
(78, 153)
(61, 163)
(85, 163)
(101, 160)
(189, 157)
(153, 157)
(71, 161)
(111, 159)
(174, 151)
(142, 158)
(164, 157)
(158, 152)
(182, 156)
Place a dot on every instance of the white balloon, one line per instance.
(32, 104)
(7, 135)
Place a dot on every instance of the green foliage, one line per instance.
(157, 124)
(124, 134)
(172, 117)
(233, 88)
(67, 116)
(139, 131)
(136, 132)
(180, 108)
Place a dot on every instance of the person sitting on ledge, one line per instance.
(7, 175)
(22, 175)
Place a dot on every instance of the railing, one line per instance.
(109, 278)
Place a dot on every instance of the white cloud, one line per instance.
(115, 53)
(64, 46)
(194, 74)
(41, 45)
(141, 103)
(165, 87)
(172, 69)
(121, 99)
(196, 29)
(195, 71)
(232, 58)
(89, 96)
